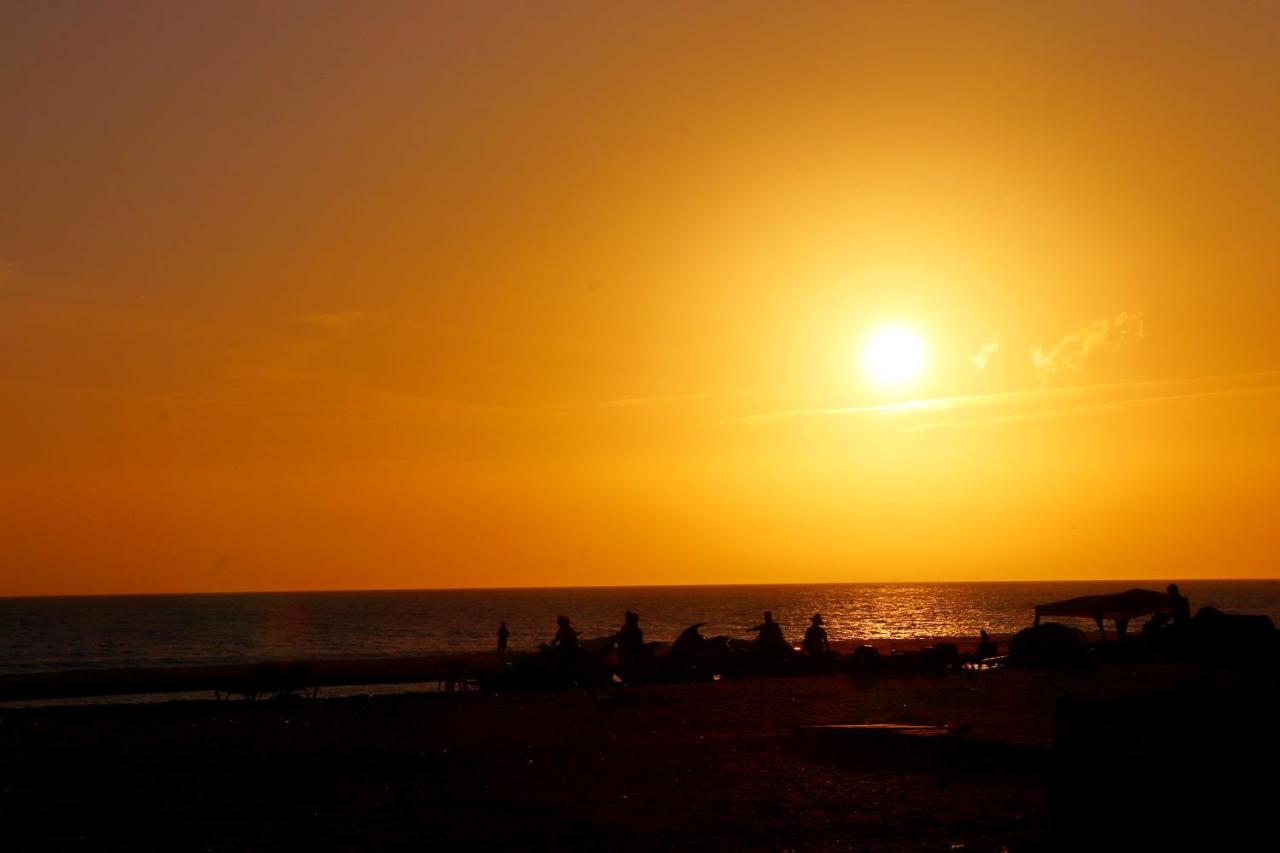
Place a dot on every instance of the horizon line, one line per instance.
(333, 591)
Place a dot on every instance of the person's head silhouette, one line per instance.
(768, 616)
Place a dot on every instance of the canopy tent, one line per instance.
(1119, 607)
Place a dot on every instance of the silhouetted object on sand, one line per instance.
(864, 665)
(1170, 634)
(868, 655)
(987, 647)
(1152, 627)
(1232, 636)
(1119, 607)
(503, 634)
(696, 656)
(815, 637)
(938, 658)
(1211, 636)
(1047, 644)
(1180, 607)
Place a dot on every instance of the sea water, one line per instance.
(42, 634)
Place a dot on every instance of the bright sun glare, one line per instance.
(894, 356)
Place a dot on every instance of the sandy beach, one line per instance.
(711, 765)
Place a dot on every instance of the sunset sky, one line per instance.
(368, 295)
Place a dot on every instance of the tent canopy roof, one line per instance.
(1120, 605)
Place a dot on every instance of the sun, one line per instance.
(894, 356)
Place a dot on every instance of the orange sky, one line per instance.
(402, 295)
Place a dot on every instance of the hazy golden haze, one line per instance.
(335, 296)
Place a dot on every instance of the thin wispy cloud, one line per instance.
(336, 320)
(881, 409)
(1074, 350)
(1103, 406)
(634, 402)
(985, 353)
(1038, 403)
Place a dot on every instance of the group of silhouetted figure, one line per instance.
(626, 656)
(771, 643)
(630, 643)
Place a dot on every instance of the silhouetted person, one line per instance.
(630, 637)
(503, 634)
(566, 639)
(815, 637)
(987, 647)
(769, 639)
(1181, 610)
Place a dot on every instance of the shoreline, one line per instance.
(84, 685)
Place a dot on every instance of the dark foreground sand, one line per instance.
(712, 765)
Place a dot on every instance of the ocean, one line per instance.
(44, 634)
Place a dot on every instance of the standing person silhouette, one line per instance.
(503, 634)
(1181, 607)
(630, 638)
(987, 647)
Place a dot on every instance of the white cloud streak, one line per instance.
(634, 402)
(1074, 350)
(985, 353)
(1105, 406)
(336, 321)
(1040, 403)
